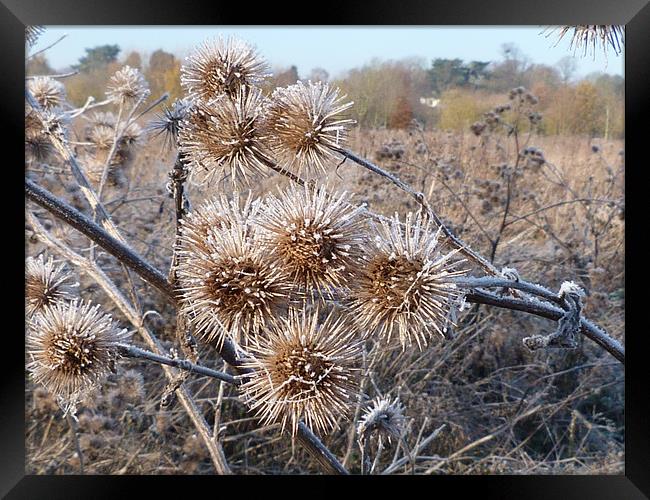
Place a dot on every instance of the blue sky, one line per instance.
(335, 49)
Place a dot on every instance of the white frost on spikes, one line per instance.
(510, 273)
(571, 288)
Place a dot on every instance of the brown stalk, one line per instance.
(157, 279)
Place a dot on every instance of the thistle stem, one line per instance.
(153, 276)
(131, 351)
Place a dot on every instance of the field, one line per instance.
(476, 402)
(286, 282)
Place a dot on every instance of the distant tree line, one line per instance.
(391, 93)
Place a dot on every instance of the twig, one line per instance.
(404, 460)
(73, 431)
(62, 75)
(90, 229)
(126, 255)
(48, 47)
(419, 197)
(137, 353)
(157, 279)
(493, 282)
(137, 320)
(587, 328)
(89, 104)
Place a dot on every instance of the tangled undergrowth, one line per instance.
(357, 314)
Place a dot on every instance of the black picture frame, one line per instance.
(634, 14)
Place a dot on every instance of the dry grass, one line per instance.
(505, 409)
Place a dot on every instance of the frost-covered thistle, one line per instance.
(216, 214)
(102, 137)
(586, 37)
(306, 122)
(383, 418)
(32, 33)
(303, 369)
(406, 285)
(227, 136)
(38, 128)
(168, 124)
(227, 285)
(316, 236)
(131, 135)
(45, 283)
(103, 118)
(73, 347)
(38, 147)
(127, 85)
(222, 66)
(48, 92)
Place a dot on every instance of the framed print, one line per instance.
(391, 243)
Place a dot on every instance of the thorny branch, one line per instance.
(137, 320)
(130, 351)
(154, 277)
(157, 279)
(420, 198)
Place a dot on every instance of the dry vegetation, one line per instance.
(476, 402)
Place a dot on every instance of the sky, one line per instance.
(335, 49)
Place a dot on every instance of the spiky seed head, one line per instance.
(131, 135)
(586, 37)
(227, 136)
(39, 127)
(227, 285)
(306, 120)
(102, 137)
(48, 92)
(73, 347)
(94, 169)
(32, 123)
(406, 286)
(103, 118)
(222, 66)
(216, 214)
(303, 369)
(383, 418)
(32, 33)
(316, 236)
(168, 124)
(127, 85)
(38, 147)
(45, 283)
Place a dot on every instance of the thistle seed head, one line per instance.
(222, 67)
(587, 36)
(127, 85)
(101, 118)
(383, 418)
(45, 283)
(303, 369)
(216, 214)
(316, 236)
(102, 137)
(306, 123)
(131, 135)
(405, 287)
(227, 285)
(39, 126)
(73, 347)
(227, 136)
(48, 92)
(168, 124)
(32, 33)
(38, 147)
(94, 169)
